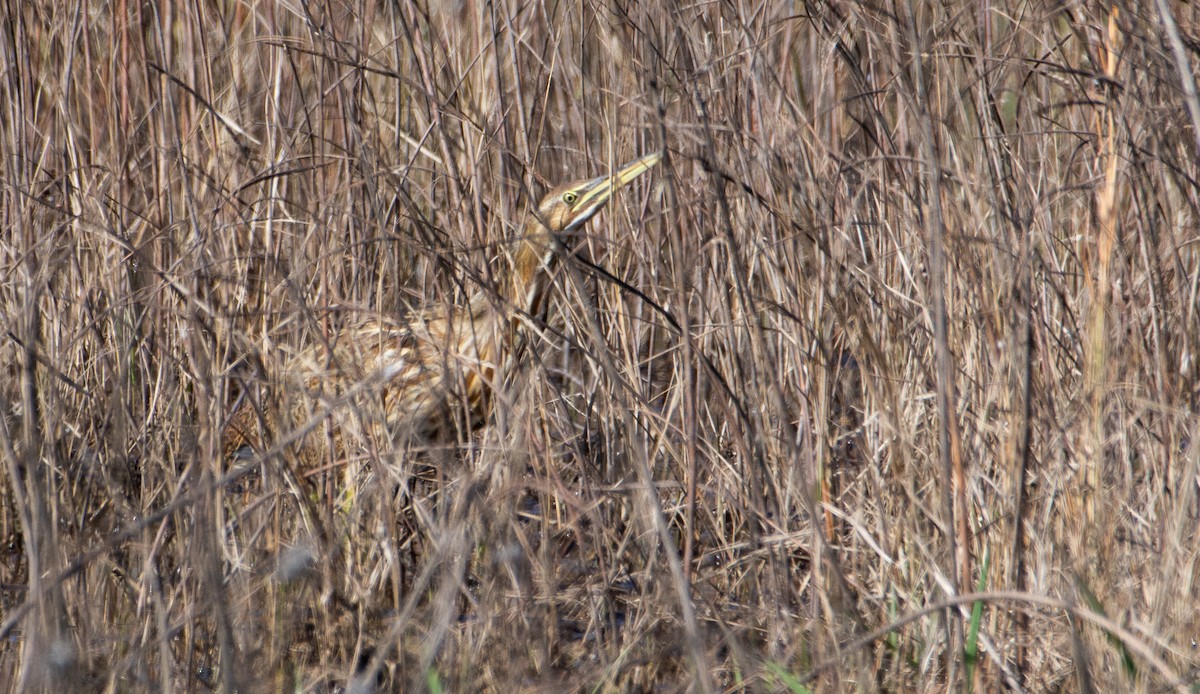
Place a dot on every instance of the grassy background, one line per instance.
(916, 317)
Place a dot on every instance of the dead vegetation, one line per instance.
(908, 313)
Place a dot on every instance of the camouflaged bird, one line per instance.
(420, 370)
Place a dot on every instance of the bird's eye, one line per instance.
(570, 197)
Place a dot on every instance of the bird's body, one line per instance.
(426, 369)
(420, 371)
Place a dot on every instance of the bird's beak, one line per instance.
(594, 193)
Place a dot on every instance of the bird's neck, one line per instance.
(525, 283)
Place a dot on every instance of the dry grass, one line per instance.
(908, 313)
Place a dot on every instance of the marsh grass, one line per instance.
(915, 285)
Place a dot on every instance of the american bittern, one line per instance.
(422, 369)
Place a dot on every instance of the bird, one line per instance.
(425, 367)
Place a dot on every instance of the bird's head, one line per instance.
(563, 211)
(567, 208)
